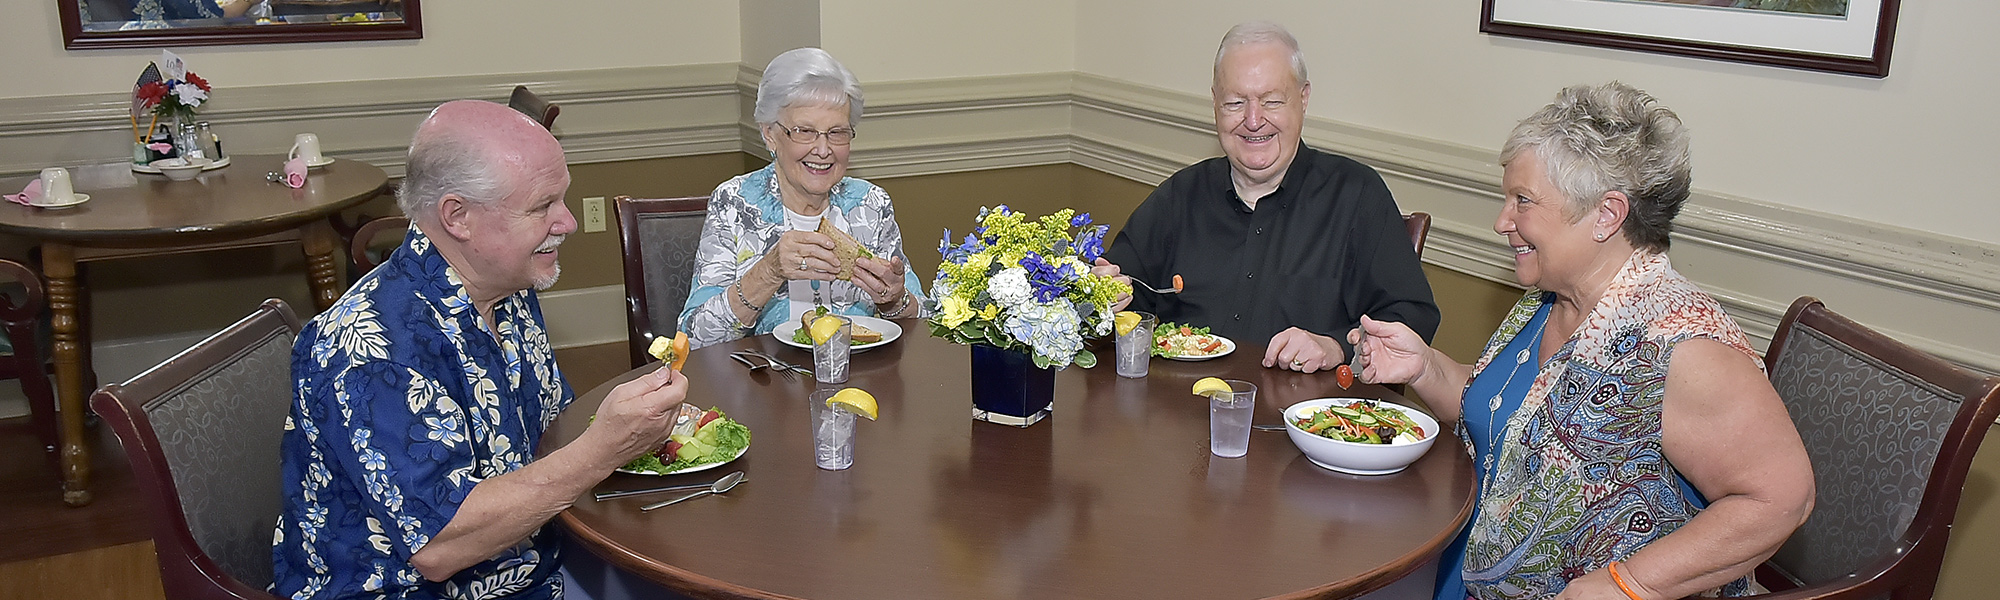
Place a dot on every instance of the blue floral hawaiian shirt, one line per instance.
(404, 401)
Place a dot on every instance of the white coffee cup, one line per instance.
(306, 146)
(56, 188)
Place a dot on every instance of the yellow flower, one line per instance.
(956, 311)
(992, 312)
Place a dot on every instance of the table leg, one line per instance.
(319, 241)
(59, 266)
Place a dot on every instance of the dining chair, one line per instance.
(1891, 432)
(20, 349)
(202, 432)
(1419, 226)
(659, 236)
(542, 111)
(366, 250)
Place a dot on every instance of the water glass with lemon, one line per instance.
(1230, 404)
(833, 415)
(1135, 341)
(831, 336)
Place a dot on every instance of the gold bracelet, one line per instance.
(1620, 580)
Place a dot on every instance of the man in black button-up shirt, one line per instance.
(1276, 242)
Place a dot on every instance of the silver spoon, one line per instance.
(721, 485)
(671, 488)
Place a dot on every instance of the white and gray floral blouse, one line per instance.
(745, 220)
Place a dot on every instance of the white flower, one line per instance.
(1010, 287)
(189, 94)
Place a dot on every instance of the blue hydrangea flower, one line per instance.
(1050, 328)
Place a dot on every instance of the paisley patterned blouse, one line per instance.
(404, 401)
(1583, 479)
(744, 222)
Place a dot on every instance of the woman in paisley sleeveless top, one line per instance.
(1627, 444)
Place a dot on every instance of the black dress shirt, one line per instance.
(1325, 248)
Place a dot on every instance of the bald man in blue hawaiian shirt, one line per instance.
(421, 395)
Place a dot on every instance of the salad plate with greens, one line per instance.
(702, 440)
(1187, 342)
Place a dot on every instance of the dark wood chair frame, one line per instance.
(185, 570)
(1909, 572)
(358, 248)
(638, 308)
(542, 111)
(21, 318)
(1419, 226)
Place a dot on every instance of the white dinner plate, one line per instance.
(1228, 346)
(890, 331)
(739, 454)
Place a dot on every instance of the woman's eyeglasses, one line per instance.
(807, 135)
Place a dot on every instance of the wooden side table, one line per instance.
(133, 214)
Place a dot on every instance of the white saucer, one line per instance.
(323, 161)
(74, 200)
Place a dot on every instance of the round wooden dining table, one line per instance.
(1115, 495)
(136, 214)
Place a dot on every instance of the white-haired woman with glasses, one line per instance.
(1627, 444)
(762, 260)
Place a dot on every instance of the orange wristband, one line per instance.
(1620, 580)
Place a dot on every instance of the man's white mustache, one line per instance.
(551, 243)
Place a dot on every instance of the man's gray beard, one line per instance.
(543, 284)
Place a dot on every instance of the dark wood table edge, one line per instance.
(703, 587)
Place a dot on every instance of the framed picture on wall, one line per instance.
(1839, 36)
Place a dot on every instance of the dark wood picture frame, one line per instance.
(75, 38)
(1876, 65)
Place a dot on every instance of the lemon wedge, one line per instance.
(1210, 386)
(1124, 321)
(823, 328)
(854, 400)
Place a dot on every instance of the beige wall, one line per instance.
(460, 38)
(889, 40)
(1895, 151)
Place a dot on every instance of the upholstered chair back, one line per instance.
(202, 431)
(659, 237)
(1891, 432)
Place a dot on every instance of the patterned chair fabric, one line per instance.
(202, 432)
(1891, 432)
(659, 237)
(220, 433)
(1873, 432)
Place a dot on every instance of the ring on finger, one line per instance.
(1298, 363)
(802, 264)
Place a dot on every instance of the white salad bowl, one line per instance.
(1353, 457)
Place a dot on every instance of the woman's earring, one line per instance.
(1600, 237)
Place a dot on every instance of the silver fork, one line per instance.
(1149, 287)
(781, 367)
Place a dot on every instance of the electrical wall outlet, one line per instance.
(593, 214)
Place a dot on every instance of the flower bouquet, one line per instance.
(168, 90)
(1024, 284)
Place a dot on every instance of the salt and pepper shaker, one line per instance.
(211, 144)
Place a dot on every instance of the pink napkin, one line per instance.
(160, 147)
(28, 195)
(295, 173)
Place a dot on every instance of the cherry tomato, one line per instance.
(1344, 376)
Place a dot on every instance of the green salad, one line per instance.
(715, 439)
(1361, 422)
